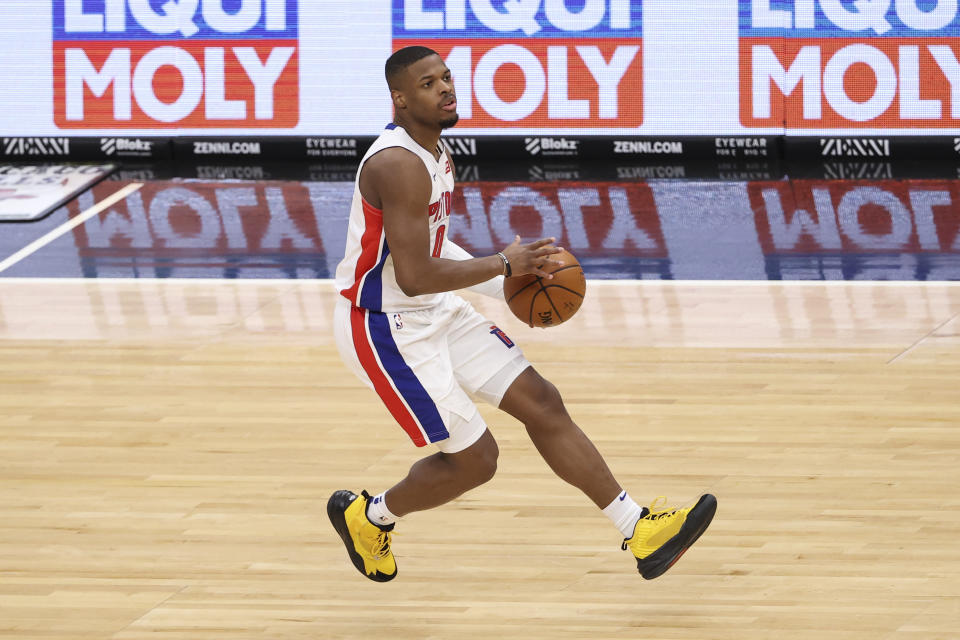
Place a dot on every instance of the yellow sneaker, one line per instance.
(660, 537)
(367, 544)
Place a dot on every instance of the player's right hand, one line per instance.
(532, 257)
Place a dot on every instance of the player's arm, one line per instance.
(397, 183)
(492, 288)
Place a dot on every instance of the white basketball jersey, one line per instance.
(365, 276)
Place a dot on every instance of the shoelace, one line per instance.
(656, 513)
(381, 546)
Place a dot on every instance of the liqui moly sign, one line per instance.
(534, 63)
(839, 64)
(175, 63)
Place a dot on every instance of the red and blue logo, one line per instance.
(534, 63)
(504, 338)
(829, 64)
(149, 64)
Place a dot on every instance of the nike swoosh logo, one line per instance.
(623, 496)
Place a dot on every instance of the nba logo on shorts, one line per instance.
(178, 63)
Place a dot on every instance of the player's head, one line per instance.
(421, 87)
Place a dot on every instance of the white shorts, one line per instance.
(423, 364)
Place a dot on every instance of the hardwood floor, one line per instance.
(167, 449)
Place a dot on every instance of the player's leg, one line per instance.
(438, 479)
(490, 365)
(656, 537)
(403, 358)
(536, 403)
(365, 522)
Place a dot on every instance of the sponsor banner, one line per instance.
(648, 147)
(26, 148)
(828, 64)
(186, 64)
(541, 68)
(545, 147)
(698, 148)
(467, 147)
(598, 155)
(900, 230)
(345, 148)
(272, 149)
(117, 149)
(534, 64)
(29, 192)
(616, 149)
(746, 147)
(872, 157)
(135, 149)
(940, 148)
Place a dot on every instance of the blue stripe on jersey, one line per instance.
(391, 126)
(404, 378)
(371, 293)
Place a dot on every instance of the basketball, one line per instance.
(546, 303)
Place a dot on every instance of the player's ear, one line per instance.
(399, 101)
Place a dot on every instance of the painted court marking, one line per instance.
(917, 343)
(38, 244)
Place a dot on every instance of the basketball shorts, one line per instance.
(426, 366)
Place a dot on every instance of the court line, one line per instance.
(592, 282)
(43, 241)
(917, 343)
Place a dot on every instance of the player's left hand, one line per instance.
(532, 258)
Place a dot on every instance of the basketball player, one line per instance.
(426, 351)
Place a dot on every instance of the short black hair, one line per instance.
(403, 58)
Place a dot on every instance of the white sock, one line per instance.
(623, 513)
(377, 511)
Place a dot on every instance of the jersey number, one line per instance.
(438, 242)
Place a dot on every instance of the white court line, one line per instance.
(67, 226)
(917, 343)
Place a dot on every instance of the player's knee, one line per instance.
(547, 398)
(477, 464)
(483, 464)
(486, 463)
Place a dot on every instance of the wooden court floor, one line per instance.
(167, 449)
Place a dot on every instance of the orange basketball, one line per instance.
(546, 303)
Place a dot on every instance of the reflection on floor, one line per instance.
(660, 230)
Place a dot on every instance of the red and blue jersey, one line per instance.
(366, 276)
